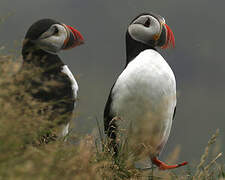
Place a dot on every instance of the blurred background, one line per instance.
(198, 59)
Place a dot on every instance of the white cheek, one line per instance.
(139, 33)
(143, 34)
(57, 41)
(54, 43)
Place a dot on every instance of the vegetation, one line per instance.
(29, 149)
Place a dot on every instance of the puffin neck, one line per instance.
(133, 48)
(39, 57)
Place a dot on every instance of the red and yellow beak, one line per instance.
(170, 40)
(74, 38)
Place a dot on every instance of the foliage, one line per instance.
(25, 155)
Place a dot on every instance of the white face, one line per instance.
(53, 39)
(145, 29)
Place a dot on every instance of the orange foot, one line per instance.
(164, 166)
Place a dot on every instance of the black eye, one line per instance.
(56, 30)
(147, 22)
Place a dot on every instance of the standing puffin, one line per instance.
(142, 102)
(54, 85)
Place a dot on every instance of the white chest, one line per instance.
(145, 94)
(147, 80)
(66, 70)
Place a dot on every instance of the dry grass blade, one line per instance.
(212, 162)
(201, 170)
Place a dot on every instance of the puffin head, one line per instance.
(52, 36)
(151, 30)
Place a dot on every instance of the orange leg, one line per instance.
(164, 166)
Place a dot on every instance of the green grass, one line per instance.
(25, 155)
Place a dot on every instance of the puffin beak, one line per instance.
(74, 38)
(169, 38)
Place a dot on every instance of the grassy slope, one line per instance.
(25, 155)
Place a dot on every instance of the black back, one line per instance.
(48, 84)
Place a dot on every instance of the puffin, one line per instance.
(51, 83)
(142, 102)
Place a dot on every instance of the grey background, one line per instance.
(197, 61)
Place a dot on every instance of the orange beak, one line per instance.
(170, 40)
(74, 38)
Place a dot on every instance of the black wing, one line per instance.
(174, 112)
(110, 126)
(51, 87)
(108, 115)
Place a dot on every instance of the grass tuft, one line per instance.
(30, 150)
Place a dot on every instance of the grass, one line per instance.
(25, 155)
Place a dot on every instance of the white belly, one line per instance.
(144, 98)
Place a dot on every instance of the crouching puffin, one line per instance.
(142, 102)
(54, 85)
